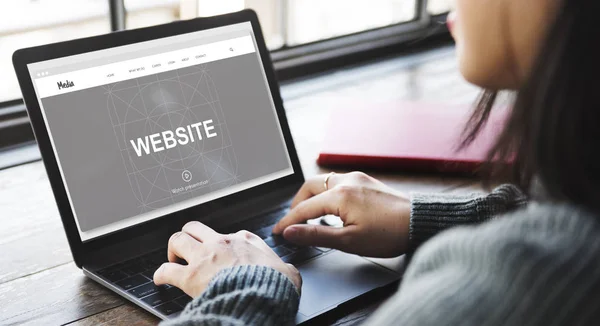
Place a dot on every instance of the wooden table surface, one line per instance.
(39, 283)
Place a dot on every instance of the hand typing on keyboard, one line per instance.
(375, 217)
(207, 252)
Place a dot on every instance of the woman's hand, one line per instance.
(375, 217)
(207, 252)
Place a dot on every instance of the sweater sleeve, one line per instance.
(536, 266)
(433, 213)
(243, 295)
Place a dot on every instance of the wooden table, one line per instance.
(40, 285)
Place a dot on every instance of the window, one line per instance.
(286, 23)
(436, 7)
(143, 13)
(314, 20)
(25, 23)
(304, 35)
(289, 22)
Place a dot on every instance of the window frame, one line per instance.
(290, 62)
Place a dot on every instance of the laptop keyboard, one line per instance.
(135, 276)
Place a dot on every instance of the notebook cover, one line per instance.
(407, 136)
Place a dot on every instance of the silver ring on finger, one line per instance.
(326, 181)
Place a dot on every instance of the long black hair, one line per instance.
(553, 132)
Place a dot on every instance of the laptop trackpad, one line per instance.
(337, 278)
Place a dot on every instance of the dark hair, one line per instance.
(554, 125)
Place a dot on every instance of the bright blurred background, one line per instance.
(286, 23)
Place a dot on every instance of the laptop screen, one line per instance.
(147, 129)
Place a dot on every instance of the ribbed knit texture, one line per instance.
(243, 295)
(537, 265)
(433, 213)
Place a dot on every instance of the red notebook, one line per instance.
(408, 136)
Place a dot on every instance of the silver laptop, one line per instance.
(142, 131)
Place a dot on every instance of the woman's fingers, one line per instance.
(307, 190)
(182, 245)
(317, 206)
(318, 235)
(170, 273)
(314, 186)
(199, 231)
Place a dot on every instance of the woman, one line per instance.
(537, 264)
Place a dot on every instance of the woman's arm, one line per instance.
(372, 210)
(236, 279)
(249, 294)
(256, 295)
(536, 266)
(243, 295)
(433, 213)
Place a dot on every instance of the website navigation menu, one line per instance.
(95, 76)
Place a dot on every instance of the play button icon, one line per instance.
(186, 176)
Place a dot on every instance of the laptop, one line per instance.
(142, 131)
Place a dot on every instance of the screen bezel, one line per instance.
(23, 57)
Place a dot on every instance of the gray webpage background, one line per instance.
(108, 182)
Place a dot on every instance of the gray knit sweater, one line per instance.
(537, 265)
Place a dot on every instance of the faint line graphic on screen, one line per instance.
(154, 104)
